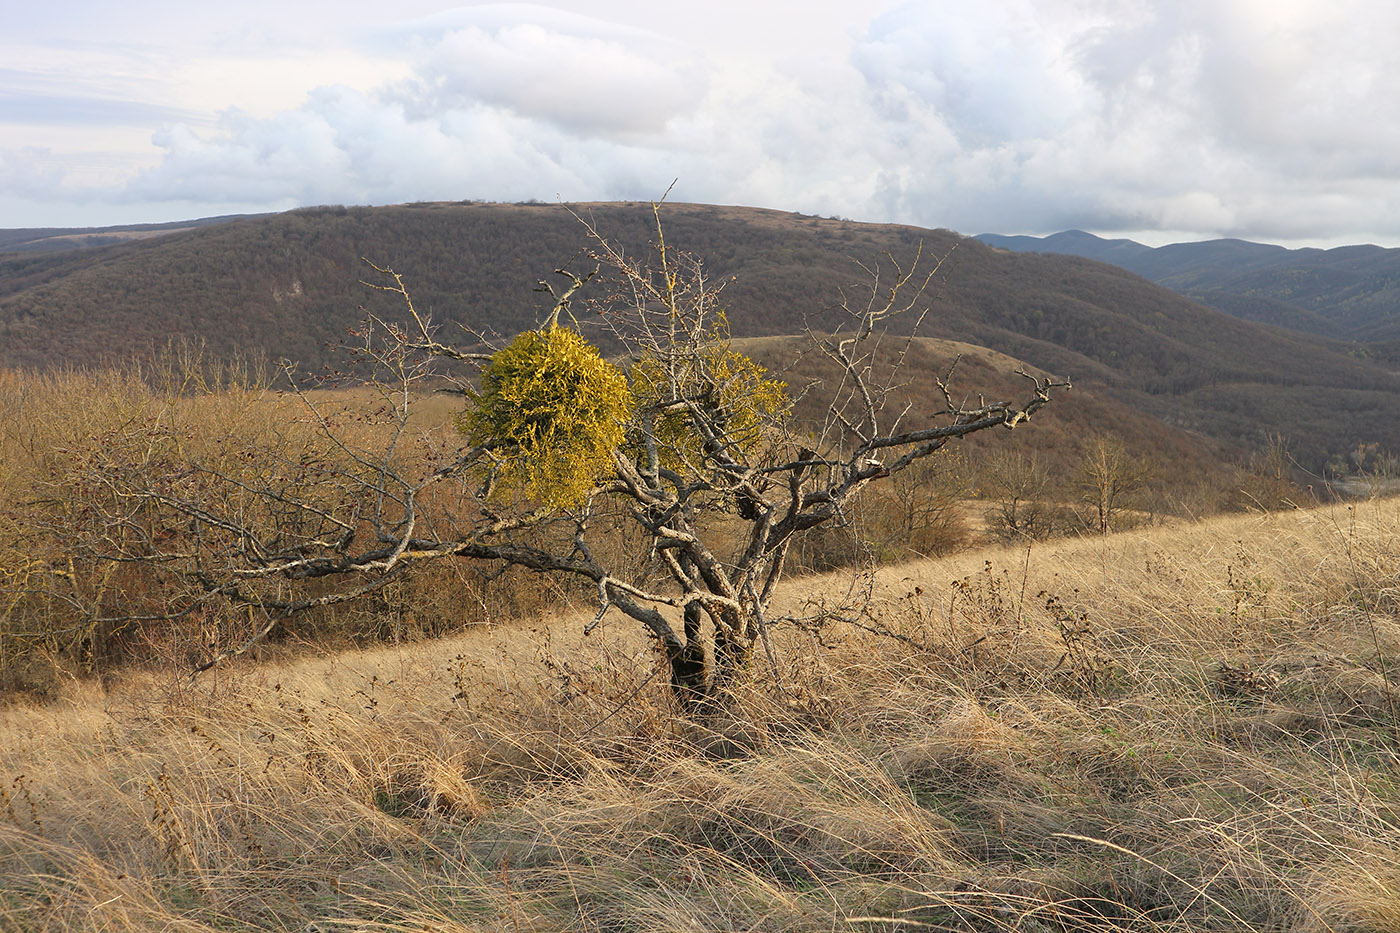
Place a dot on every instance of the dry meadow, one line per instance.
(1184, 728)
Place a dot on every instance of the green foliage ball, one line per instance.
(555, 411)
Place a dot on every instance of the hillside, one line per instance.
(101, 568)
(59, 239)
(1058, 431)
(1349, 293)
(1189, 728)
(288, 285)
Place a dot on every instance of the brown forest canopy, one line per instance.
(287, 285)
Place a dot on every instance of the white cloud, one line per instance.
(495, 108)
(1193, 115)
(29, 171)
(991, 79)
(586, 76)
(1260, 118)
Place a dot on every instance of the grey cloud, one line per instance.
(1307, 88)
(1193, 115)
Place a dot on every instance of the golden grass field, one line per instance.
(1184, 728)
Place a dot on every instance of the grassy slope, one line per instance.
(64, 437)
(1189, 728)
(1059, 431)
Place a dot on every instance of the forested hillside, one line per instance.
(1350, 292)
(289, 285)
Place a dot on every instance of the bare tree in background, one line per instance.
(1111, 477)
(1018, 483)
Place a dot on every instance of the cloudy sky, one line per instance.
(1273, 120)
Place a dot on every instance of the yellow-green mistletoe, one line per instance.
(555, 411)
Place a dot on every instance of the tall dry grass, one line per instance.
(1188, 728)
(101, 564)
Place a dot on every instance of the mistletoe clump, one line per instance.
(554, 410)
(710, 400)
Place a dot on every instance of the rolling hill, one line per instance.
(59, 239)
(289, 285)
(1349, 293)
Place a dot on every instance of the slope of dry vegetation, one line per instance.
(1185, 728)
(287, 285)
(82, 590)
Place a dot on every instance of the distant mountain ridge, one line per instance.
(289, 285)
(54, 239)
(1347, 293)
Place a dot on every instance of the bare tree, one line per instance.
(1017, 483)
(918, 512)
(1110, 477)
(685, 447)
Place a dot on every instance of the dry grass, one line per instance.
(79, 590)
(1189, 728)
(95, 565)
